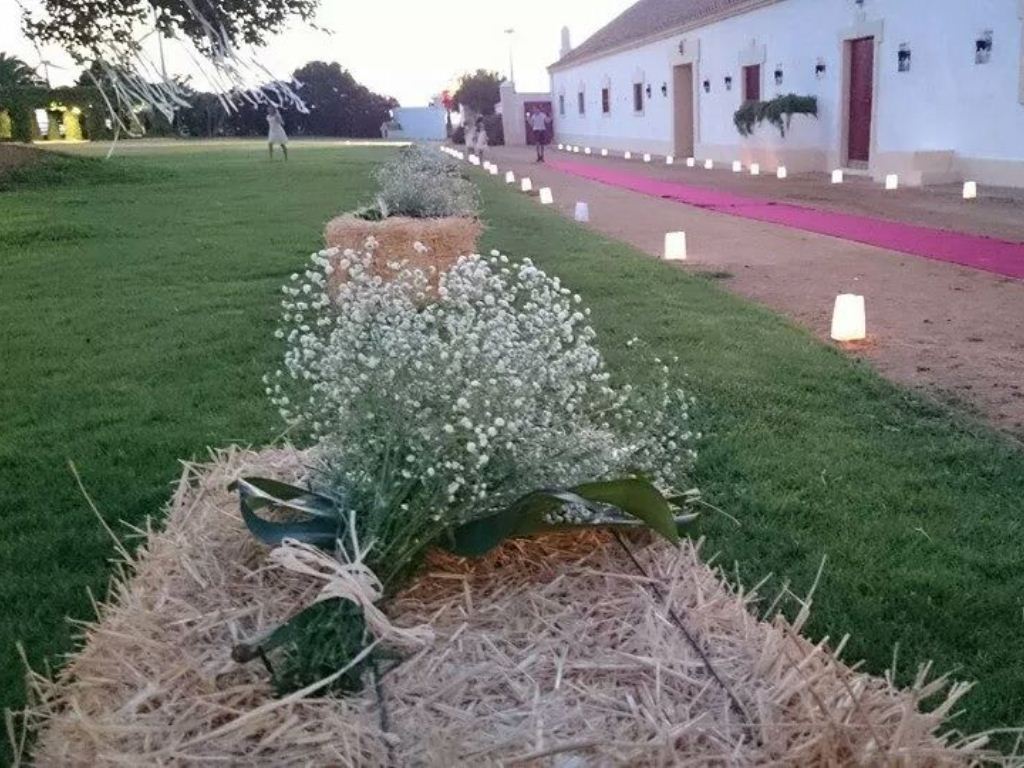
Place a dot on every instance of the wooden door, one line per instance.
(752, 83)
(684, 110)
(862, 86)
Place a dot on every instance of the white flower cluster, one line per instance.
(424, 184)
(432, 408)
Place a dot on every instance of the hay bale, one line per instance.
(549, 652)
(445, 240)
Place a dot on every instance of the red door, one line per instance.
(752, 83)
(544, 106)
(862, 80)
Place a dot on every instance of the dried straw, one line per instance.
(445, 240)
(550, 652)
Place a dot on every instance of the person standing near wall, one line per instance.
(539, 122)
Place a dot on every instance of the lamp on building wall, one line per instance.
(983, 48)
(707, 86)
(647, 90)
(728, 82)
(819, 69)
(903, 58)
(778, 75)
(664, 89)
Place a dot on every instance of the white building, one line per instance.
(930, 89)
(418, 123)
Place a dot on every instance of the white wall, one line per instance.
(423, 123)
(946, 102)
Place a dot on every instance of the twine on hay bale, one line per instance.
(549, 652)
(445, 240)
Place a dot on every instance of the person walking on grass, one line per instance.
(539, 121)
(480, 138)
(276, 134)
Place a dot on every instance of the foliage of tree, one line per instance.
(17, 79)
(15, 73)
(85, 27)
(478, 91)
(338, 106)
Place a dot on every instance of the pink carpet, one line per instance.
(977, 251)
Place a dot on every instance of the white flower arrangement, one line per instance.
(420, 183)
(431, 409)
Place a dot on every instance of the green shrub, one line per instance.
(495, 128)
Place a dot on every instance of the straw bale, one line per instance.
(549, 652)
(445, 240)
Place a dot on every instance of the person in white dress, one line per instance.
(480, 138)
(276, 134)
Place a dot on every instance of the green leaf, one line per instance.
(322, 529)
(478, 537)
(637, 499)
(265, 491)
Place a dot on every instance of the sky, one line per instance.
(409, 49)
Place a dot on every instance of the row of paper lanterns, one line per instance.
(892, 180)
(525, 184)
(849, 320)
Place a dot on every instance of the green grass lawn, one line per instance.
(137, 303)
(136, 321)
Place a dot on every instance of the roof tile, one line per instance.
(644, 19)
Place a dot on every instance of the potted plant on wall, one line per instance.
(778, 112)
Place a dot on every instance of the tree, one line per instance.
(15, 73)
(85, 28)
(479, 91)
(338, 105)
(17, 81)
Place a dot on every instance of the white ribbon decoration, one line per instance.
(353, 581)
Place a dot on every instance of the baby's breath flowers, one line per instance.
(423, 183)
(432, 408)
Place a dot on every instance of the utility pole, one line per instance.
(511, 65)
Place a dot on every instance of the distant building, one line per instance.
(930, 89)
(418, 123)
